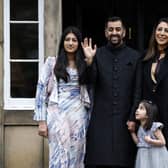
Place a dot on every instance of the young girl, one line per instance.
(150, 141)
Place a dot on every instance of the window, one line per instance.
(23, 51)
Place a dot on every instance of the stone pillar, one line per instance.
(1, 86)
(53, 26)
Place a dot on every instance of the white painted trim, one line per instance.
(20, 103)
(41, 33)
(24, 22)
(6, 53)
(24, 60)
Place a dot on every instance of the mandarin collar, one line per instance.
(112, 48)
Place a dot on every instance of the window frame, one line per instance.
(20, 103)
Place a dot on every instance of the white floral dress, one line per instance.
(67, 121)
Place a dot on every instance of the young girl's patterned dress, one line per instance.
(149, 156)
(67, 124)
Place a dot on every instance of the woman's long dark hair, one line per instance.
(151, 111)
(62, 60)
(152, 48)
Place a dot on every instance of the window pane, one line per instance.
(24, 41)
(23, 79)
(24, 10)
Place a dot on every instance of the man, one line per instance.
(115, 71)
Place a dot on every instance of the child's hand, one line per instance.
(147, 139)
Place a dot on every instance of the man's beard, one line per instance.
(117, 41)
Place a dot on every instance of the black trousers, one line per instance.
(91, 166)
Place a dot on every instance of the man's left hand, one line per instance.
(131, 126)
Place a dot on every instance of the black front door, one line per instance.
(139, 17)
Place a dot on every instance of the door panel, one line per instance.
(159, 10)
(137, 15)
(92, 18)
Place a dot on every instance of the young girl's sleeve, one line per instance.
(156, 125)
(157, 138)
(41, 90)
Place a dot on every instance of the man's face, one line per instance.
(115, 32)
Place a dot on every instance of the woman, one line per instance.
(62, 86)
(155, 72)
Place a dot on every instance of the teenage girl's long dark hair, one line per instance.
(62, 60)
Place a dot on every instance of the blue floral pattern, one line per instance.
(66, 116)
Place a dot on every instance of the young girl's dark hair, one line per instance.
(151, 111)
(62, 61)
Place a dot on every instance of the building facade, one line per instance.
(29, 32)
